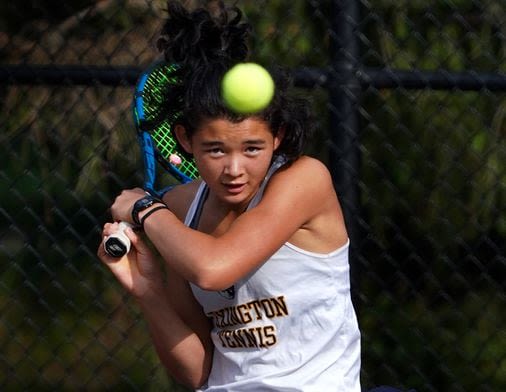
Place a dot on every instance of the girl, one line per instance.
(257, 292)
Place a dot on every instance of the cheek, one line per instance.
(260, 167)
(208, 169)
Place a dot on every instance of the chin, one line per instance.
(238, 200)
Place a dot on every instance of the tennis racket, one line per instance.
(157, 103)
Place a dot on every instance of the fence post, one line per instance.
(344, 92)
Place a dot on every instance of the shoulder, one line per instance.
(307, 163)
(306, 171)
(309, 196)
(304, 184)
(179, 198)
(304, 199)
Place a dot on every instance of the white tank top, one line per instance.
(287, 326)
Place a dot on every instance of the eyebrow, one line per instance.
(255, 141)
(214, 143)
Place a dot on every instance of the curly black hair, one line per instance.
(206, 45)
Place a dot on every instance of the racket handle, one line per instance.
(118, 244)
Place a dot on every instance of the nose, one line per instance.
(234, 166)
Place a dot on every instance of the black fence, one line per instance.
(411, 103)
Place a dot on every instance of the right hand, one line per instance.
(138, 271)
(121, 209)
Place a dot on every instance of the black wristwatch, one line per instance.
(141, 204)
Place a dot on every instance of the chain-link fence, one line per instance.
(411, 102)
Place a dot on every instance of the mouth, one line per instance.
(234, 188)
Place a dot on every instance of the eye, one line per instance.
(253, 150)
(215, 152)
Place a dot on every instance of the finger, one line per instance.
(109, 228)
(102, 254)
(137, 242)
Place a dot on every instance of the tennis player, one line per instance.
(253, 293)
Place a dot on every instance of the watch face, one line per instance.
(142, 204)
(145, 202)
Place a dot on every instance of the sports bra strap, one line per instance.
(279, 161)
(193, 215)
(195, 210)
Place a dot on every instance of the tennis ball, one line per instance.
(247, 88)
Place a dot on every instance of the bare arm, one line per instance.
(178, 327)
(180, 334)
(294, 197)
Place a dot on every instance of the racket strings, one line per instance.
(155, 96)
(167, 146)
(162, 87)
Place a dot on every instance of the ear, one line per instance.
(183, 139)
(279, 137)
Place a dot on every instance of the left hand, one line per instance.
(121, 209)
(138, 271)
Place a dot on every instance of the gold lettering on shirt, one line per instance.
(232, 323)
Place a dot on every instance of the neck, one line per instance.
(218, 216)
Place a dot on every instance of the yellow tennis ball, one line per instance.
(247, 88)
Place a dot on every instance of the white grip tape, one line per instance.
(118, 244)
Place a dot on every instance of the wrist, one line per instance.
(144, 214)
(142, 206)
(151, 295)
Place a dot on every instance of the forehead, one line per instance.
(226, 129)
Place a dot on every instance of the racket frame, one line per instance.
(150, 155)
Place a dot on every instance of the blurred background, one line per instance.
(410, 99)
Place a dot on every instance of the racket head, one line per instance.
(157, 104)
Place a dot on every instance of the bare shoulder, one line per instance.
(180, 198)
(308, 171)
(312, 165)
(303, 194)
(306, 181)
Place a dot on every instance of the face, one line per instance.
(232, 158)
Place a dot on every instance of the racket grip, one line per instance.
(118, 244)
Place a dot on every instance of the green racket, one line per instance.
(157, 104)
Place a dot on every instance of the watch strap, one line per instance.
(151, 211)
(143, 203)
